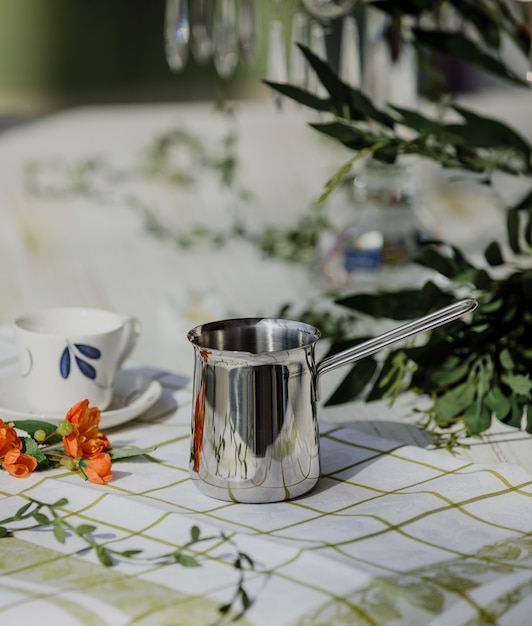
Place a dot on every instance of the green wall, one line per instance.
(102, 50)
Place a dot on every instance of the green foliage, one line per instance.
(475, 143)
(41, 514)
(472, 368)
(32, 426)
(480, 366)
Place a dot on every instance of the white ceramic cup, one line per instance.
(67, 354)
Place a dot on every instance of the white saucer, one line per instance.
(133, 394)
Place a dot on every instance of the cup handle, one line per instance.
(131, 333)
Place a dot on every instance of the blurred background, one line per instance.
(61, 53)
(88, 196)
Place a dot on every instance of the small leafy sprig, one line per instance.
(76, 444)
(56, 179)
(42, 515)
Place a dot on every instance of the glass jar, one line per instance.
(385, 235)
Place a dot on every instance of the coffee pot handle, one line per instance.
(362, 350)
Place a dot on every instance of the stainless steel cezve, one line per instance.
(255, 434)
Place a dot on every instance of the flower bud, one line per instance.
(64, 428)
(39, 435)
(70, 464)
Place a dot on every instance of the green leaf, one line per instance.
(453, 403)
(4, 532)
(480, 328)
(248, 559)
(488, 29)
(518, 383)
(353, 137)
(506, 360)
(454, 265)
(41, 519)
(493, 254)
(118, 454)
(485, 132)
(516, 413)
(354, 382)
(20, 513)
(418, 122)
(384, 380)
(528, 410)
(359, 105)
(244, 598)
(491, 306)
(450, 372)
(477, 418)
(195, 533)
(129, 553)
(397, 305)
(59, 531)
(497, 402)
(30, 426)
(32, 449)
(458, 46)
(328, 78)
(85, 529)
(301, 96)
(482, 280)
(185, 560)
(103, 556)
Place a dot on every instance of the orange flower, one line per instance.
(97, 469)
(18, 464)
(9, 439)
(85, 440)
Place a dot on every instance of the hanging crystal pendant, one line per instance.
(298, 63)
(176, 34)
(403, 85)
(377, 60)
(276, 71)
(247, 30)
(349, 67)
(319, 48)
(201, 29)
(226, 39)
(328, 9)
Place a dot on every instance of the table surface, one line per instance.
(394, 533)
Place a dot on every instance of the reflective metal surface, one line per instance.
(254, 427)
(255, 434)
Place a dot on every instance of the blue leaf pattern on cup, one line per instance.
(85, 368)
(64, 363)
(89, 351)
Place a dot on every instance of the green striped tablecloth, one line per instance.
(393, 534)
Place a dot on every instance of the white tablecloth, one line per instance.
(394, 533)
